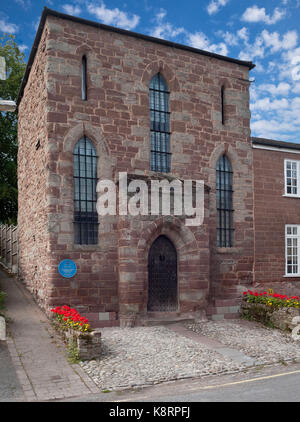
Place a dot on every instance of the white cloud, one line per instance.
(243, 34)
(256, 14)
(10, 28)
(259, 67)
(267, 104)
(23, 47)
(228, 37)
(282, 88)
(215, 5)
(164, 29)
(289, 40)
(71, 9)
(200, 40)
(25, 4)
(113, 16)
(290, 65)
(233, 39)
(276, 119)
(250, 51)
(267, 42)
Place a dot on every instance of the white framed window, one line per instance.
(292, 178)
(292, 250)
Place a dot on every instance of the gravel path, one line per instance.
(150, 355)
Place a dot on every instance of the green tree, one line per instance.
(15, 67)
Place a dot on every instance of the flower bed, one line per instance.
(271, 308)
(77, 332)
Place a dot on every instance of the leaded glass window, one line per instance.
(160, 125)
(85, 195)
(224, 196)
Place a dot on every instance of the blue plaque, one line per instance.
(67, 268)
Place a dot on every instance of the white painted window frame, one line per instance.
(292, 195)
(292, 236)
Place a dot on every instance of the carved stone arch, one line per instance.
(225, 82)
(94, 134)
(171, 227)
(232, 156)
(191, 294)
(83, 50)
(166, 71)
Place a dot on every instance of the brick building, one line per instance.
(277, 214)
(96, 101)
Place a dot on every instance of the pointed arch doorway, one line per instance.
(162, 276)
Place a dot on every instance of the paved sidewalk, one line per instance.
(37, 356)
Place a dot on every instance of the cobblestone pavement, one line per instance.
(150, 355)
(34, 363)
(265, 345)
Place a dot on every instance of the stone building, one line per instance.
(97, 101)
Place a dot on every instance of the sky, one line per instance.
(265, 32)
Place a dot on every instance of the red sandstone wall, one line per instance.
(32, 180)
(116, 118)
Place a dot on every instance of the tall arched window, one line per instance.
(159, 125)
(83, 79)
(224, 195)
(85, 195)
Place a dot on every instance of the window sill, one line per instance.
(227, 250)
(291, 196)
(85, 247)
(291, 276)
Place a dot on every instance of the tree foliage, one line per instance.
(15, 67)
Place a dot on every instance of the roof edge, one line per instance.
(49, 12)
(276, 144)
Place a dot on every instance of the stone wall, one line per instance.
(116, 119)
(281, 318)
(34, 181)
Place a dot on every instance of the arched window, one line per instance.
(224, 195)
(159, 125)
(83, 79)
(85, 195)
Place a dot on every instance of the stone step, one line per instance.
(225, 302)
(226, 309)
(154, 323)
(161, 318)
